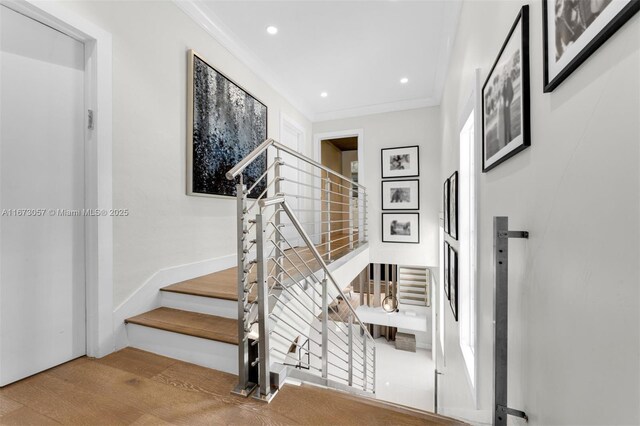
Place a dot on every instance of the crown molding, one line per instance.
(214, 26)
(376, 109)
(216, 29)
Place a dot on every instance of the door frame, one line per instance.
(317, 156)
(98, 165)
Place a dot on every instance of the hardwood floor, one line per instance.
(134, 387)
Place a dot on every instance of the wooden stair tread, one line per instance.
(195, 324)
(219, 285)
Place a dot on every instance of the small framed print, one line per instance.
(400, 162)
(453, 205)
(401, 228)
(445, 205)
(573, 30)
(453, 281)
(445, 268)
(401, 194)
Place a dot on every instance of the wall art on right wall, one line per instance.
(505, 98)
(453, 281)
(453, 205)
(573, 30)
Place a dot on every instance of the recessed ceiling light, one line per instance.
(324, 94)
(404, 80)
(272, 30)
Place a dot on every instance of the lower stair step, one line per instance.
(206, 340)
(190, 323)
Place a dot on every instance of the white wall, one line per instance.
(573, 290)
(166, 228)
(412, 127)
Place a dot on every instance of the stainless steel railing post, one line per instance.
(277, 170)
(264, 391)
(350, 368)
(364, 364)
(244, 386)
(327, 185)
(325, 329)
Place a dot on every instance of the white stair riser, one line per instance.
(207, 353)
(204, 305)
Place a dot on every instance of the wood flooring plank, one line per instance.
(25, 416)
(138, 362)
(7, 405)
(61, 401)
(190, 323)
(109, 391)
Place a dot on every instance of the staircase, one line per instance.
(197, 322)
(280, 327)
(413, 288)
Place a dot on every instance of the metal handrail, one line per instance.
(294, 221)
(253, 155)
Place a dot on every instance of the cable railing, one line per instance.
(292, 313)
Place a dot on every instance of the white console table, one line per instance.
(379, 316)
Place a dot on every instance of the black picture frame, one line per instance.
(493, 101)
(214, 144)
(606, 22)
(453, 281)
(415, 195)
(445, 267)
(385, 162)
(388, 226)
(445, 205)
(453, 205)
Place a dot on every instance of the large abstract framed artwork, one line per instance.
(453, 205)
(453, 281)
(445, 267)
(401, 194)
(445, 205)
(224, 124)
(400, 228)
(400, 162)
(505, 98)
(574, 29)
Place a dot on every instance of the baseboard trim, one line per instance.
(148, 296)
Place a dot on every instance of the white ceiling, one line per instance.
(356, 51)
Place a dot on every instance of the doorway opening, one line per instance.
(339, 197)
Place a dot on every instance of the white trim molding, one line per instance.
(376, 109)
(206, 18)
(98, 163)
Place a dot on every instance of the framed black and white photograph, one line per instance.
(505, 98)
(573, 30)
(401, 228)
(401, 194)
(453, 281)
(445, 205)
(445, 267)
(453, 205)
(224, 124)
(400, 162)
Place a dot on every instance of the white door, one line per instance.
(42, 250)
(290, 137)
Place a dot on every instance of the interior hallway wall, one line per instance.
(394, 129)
(165, 227)
(574, 285)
